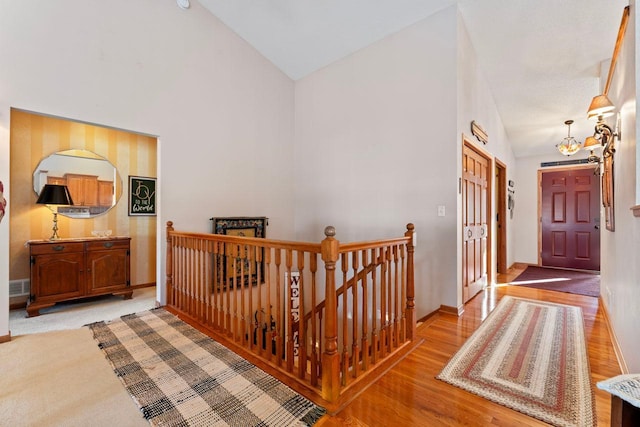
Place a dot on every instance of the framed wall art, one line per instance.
(142, 196)
(234, 271)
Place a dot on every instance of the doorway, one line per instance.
(569, 206)
(476, 210)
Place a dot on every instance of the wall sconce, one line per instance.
(54, 196)
(569, 145)
(600, 108)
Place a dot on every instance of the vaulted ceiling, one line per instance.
(542, 59)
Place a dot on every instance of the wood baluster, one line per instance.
(245, 278)
(330, 357)
(188, 253)
(193, 268)
(179, 280)
(288, 314)
(374, 309)
(383, 304)
(403, 295)
(411, 314)
(171, 298)
(365, 313)
(355, 351)
(396, 298)
(215, 280)
(302, 335)
(227, 289)
(279, 314)
(207, 283)
(344, 263)
(313, 267)
(268, 345)
(193, 276)
(253, 269)
(234, 280)
(320, 341)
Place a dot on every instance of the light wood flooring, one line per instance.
(409, 394)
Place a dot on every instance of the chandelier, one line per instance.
(569, 144)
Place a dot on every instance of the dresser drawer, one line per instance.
(56, 248)
(101, 245)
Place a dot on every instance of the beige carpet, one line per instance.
(61, 379)
(75, 314)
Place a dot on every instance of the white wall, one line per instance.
(377, 136)
(223, 113)
(475, 102)
(621, 262)
(375, 144)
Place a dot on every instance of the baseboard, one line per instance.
(456, 311)
(428, 316)
(143, 285)
(614, 340)
(5, 338)
(18, 303)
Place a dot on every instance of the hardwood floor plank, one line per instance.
(410, 395)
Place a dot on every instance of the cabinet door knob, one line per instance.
(58, 248)
(107, 244)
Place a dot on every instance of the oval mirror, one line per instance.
(93, 181)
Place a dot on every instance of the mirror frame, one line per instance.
(49, 167)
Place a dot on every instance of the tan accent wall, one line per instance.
(33, 137)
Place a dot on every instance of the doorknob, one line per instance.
(469, 233)
(597, 227)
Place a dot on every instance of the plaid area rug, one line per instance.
(529, 356)
(178, 376)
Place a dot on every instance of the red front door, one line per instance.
(571, 219)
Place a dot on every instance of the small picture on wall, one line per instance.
(142, 196)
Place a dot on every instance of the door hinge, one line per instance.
(128, 283)
(32, 298)
(33, 260)
(128, 252)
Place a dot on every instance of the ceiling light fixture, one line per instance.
(569, 145)
(183, 4)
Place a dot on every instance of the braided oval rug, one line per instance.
(530, 356)
(178, 376)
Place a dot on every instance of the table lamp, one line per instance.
(54, 195)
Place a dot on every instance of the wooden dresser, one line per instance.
(67, 269)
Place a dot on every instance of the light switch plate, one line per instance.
(441, 210)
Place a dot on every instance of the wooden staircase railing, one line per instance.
(277, 304)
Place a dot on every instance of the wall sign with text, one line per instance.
(142, 196)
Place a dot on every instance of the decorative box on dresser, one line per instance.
(68, 269)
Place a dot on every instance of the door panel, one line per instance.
(474, 217)
(570, 219)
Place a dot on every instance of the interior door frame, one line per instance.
(540, 172)
(501, 208)
(468, 143)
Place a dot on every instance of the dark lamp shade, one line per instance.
(54, 195)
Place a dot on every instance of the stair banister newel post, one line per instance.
(411, 312)
(169, 266)
(330, 356)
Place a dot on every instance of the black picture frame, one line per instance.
(142, 196)
(238, 226)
